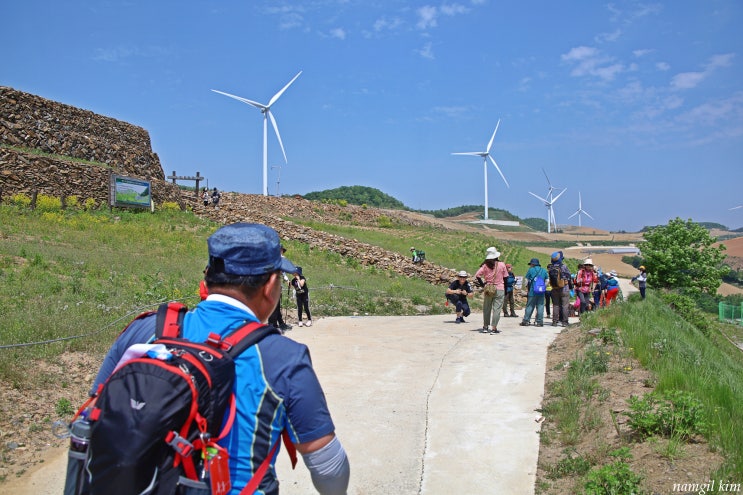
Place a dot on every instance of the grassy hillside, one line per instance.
(70, 280)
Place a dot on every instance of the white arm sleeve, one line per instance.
(329, 468)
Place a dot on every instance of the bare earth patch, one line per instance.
(693, 464)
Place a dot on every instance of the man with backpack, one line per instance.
(275, 387)
(536, 278)
(561, 282)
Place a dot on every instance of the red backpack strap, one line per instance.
(246, 336)
(252, 485)
(169, 319)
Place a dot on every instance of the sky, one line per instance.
(635, 106)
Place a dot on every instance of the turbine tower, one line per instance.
(485, 156)
(266, 111)
(580, 210)
(548, 202)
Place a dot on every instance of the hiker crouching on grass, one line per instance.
(275, 383)
(457, 293)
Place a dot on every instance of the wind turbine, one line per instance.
(485, 156)
(548, 202)
(266, 111)
(580, 210)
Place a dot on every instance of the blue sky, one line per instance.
(636, 105)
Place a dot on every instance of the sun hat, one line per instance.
(588, 261)
(613, 273)
(462, 273)
(492, 253)
(534, 262)
(247, 249)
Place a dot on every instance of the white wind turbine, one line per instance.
(266, 111)
(580, 210)
(548, 202)
(485, 156)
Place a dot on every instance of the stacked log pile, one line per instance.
(270, 210)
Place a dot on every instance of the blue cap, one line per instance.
(248, 249)
(534, 261)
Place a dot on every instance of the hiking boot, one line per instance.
(554, 323)
(514, 315)
(458, 320)
(540, 324)
(494, 331)
(484, 330)
(285, 326)
(524, 324)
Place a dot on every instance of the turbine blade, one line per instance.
(468, 153)
(493, 137)
(277, 95)
(278, 136)
(555, 198)
(548, 179)
(498, 169)
(539, 197)
(244, 100)
(586, 214)
(571, 216)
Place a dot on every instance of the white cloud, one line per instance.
(427, 17)
(384, 24)
(426, 51)
(579, 53)
(664, 66)
(642, 52)
(588, 61)
(339, 33)
(689, 80)
(609, 37)
(720, 61)
(454, 9)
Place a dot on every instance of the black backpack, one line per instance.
(155, 422)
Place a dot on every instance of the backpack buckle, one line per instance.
(182, 446)
(214, 340)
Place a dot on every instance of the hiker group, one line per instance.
(553, 290)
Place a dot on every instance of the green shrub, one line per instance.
(170, 206)
(687, 308)
(616, 478)
(45, 202)
(63, 407)
(675, 414)
(384, 221)
(72, 201)
(21, 200)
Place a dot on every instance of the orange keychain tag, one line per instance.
(219, 471)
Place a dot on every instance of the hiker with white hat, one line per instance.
(457, 293)
(584, 282)
(491, 277)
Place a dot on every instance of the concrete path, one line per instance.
(422, 405)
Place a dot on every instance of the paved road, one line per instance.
(421, 404)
